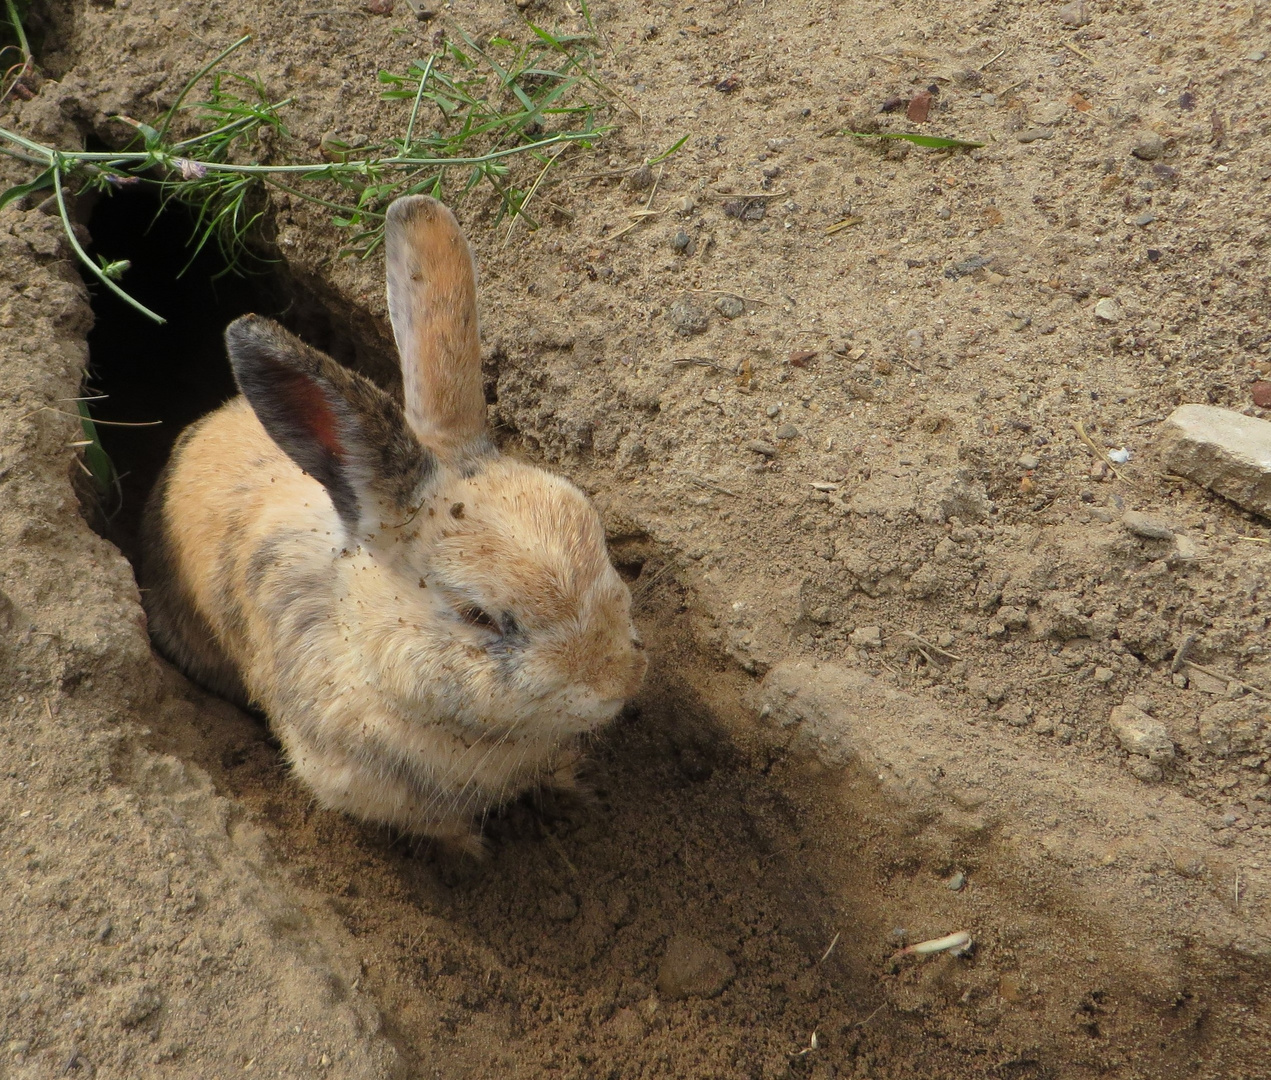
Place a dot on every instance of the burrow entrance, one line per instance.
(545, 959)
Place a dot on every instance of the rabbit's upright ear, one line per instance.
(432, 301)
(340, 428)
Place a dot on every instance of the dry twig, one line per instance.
(1216, 674)
(928, 645)
(1081, 430)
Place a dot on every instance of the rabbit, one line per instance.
(430, 628)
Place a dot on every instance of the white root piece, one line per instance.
(955, 943)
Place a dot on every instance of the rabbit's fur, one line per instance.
(429, 627)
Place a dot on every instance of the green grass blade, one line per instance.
(935, 142)
(96, 460)
(40, 183)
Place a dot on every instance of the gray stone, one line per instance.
(680, 241)
(1035, 134)
(731, 307)
(1225, 451)
(1138, 733)
(1185, 551)
(687, 317)
(1148, 146)
(1029, 461)
(787, 431)
(1149, 528)
(956, 882)
(1107, 310)
(1075, 14)
(866, 637)
(758, 446)
(641, 179)
(691, 968)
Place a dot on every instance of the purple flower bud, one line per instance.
(190, 170)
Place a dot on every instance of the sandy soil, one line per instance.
(803, 780)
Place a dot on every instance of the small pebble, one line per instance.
(687, 317)
(773, 411)
(787, 431)
(684, 206)
(1139, 733)
(1257, 56)
(641, 179)
(1107, 310)
(730, 307)
(1075, 14)
(1035, 134)
(1185, 551)
(1104, 675)
(1029, 461)
(1145, 219)
(1260, 392)
(956, 882)
(1148, 147)
(756, 446)
(866, 637)
(680, 241)
(1146, 526)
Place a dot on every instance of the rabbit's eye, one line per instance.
(475, 616)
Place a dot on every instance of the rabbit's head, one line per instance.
(480, 591)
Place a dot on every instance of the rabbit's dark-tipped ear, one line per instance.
(340, 428)
(432, 301)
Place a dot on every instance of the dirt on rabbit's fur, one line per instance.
(826, 394)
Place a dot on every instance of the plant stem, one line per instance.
(320, 202)
(171, 113)
(83, 255)
(23, 44)
(332, 169)
(231, 126)
(414, 109)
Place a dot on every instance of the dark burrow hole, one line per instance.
(141, 372)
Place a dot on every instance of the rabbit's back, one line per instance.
(238, 543)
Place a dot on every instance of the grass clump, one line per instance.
(16, 62)
(475, 111)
